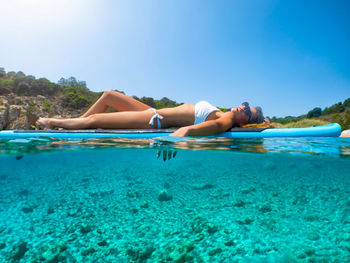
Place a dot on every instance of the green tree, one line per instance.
(346, 102)
(148, 101)
(316, 112)
(335, 108)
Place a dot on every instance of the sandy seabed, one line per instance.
(126, 205)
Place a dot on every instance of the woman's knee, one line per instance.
(108, 93)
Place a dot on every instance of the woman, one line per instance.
(201, 119)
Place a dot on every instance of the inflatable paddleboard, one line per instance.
(330, 130)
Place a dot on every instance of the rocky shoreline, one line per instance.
(21, 112)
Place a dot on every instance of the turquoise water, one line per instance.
(266, 200)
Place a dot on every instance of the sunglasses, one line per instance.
(247, 110)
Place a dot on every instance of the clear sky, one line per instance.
(287, 56)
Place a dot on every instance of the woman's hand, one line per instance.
(181, 132)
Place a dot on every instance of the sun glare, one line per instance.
(42, 14)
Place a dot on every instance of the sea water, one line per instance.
(218, 200)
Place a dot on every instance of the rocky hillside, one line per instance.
(23, 99)
(21, 112)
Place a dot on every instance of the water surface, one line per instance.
(117, 200)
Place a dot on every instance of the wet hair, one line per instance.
(259, 118)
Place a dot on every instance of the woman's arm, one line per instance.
(206, 128)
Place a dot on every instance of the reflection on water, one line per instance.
(338, 147)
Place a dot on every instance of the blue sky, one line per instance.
(286, 56)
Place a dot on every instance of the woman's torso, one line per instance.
(183, 115)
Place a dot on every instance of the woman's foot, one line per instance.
(44, 123)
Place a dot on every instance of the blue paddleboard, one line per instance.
(330, 130)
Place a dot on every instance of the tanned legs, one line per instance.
(116, 100)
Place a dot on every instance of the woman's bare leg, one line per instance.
(113, 120)
(116, 100)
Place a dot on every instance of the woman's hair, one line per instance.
(259, 118)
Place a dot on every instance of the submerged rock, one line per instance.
(88, 251)
(215, 251)
(164, 196)
(18, 251)
(246, 221)
(144, 204)
(27, 209)
(239, 203)
(103, 243)
(211, 228)
(265, 209)
(140, 254)
(84, 228)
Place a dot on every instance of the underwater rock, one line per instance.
(102, 243)
(311, 217)
(88, 251)
(239, 203)
(144, 204)
(2, 245)
(246, 221)
(166, 185)
(19, 157)
(188, 246)
(203, 186)
(140, 254)
(27, 209)
(164, 196)
(85, 228)
(185, 257)
(215, 251)
(229, 243)
(265, 209)
(50, 210)
(18, 251)
(211, 228)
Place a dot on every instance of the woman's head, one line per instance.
(245, 114)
